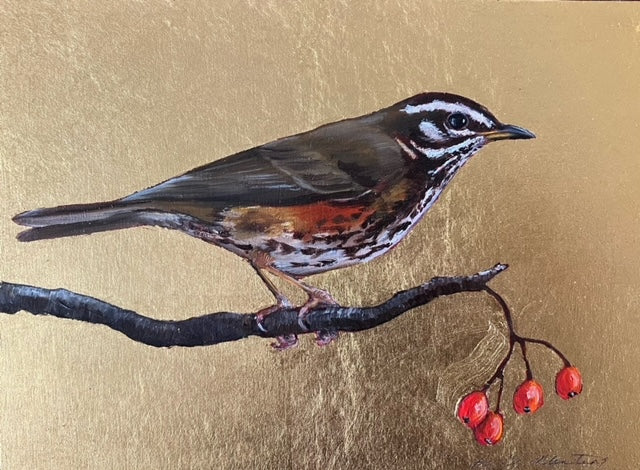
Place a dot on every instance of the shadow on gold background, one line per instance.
(98, 101)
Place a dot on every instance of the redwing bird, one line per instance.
(342, 194)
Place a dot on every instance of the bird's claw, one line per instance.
(262, 314)
(281, 303)
(318, 297)
(282, 343)
(326, 337)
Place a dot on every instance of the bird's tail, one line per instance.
(78, 219)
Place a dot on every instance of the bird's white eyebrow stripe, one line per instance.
(439, 105)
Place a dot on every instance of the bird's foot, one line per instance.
(318, 297)
(282, 343)
(281, 303)
(264, 313)
(324, 338)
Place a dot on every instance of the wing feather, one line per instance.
(295, 170)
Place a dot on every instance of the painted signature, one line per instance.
(576, 460)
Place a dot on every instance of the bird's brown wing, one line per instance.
(300, 169)
(339, 161)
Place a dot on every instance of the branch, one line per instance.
(220, 327)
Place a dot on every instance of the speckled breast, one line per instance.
(312, 238)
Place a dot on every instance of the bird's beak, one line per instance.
(507, 131)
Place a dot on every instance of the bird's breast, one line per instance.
(320, 236)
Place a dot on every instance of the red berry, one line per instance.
(528, 397)
(568, 383)
(490, 431)
(473, 408)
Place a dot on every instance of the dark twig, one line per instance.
(513, 339)
(226, 326)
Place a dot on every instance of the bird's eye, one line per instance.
(457, 121)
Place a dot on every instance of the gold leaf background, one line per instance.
(99, 99)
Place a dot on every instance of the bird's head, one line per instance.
(443, 126)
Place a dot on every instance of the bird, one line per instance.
(342, 194)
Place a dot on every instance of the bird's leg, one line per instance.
(316, 296)
(282, 342)
(281, 300)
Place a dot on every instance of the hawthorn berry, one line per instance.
(528, 397)
(489, 432)
(473, 408)
(568, 382)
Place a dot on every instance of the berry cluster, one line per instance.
(473, 409)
